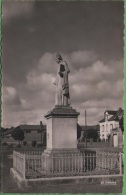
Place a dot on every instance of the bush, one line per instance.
(11, 145)
(18, 134)
(18, 146)
(34, 143)
(4, 144)
(24, 143)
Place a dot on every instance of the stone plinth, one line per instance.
(62, 128)
(61, 154)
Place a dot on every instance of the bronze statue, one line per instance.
(62, 97)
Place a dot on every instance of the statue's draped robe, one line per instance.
(62, 97)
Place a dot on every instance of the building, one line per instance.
(109, 122)
(117, 137)
(31, 133)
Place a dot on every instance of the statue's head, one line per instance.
(58, 58)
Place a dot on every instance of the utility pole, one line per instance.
(86, 127)
(41, 125)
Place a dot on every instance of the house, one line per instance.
(109, 122)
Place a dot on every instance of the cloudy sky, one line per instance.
(88, 34)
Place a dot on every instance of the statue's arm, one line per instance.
(66, 67)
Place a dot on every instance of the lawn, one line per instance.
(10, 186)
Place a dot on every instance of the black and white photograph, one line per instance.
(62, 97)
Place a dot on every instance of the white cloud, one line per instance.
(47, 63)
(39, 81)
(95, 88)
(83, 57)
(10, 96)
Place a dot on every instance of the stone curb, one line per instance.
(95, 179)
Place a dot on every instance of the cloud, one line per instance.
(36, 82)
(97, 81)
(82, 58)
(92, 45)
(47, 63)
(10, 96)
(99, 71)
(11, 10)
(95, 88)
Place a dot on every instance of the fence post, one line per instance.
(23, 166)
(120, 163)
(13, 159)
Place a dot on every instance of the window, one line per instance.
(28, 131)
(111, 126)
(102, 128)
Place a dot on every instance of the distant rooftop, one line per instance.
(31, 127)
(95, 127)
(39, 128)
(116, 115)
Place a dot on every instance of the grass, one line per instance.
(10, 186)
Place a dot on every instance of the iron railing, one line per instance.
(88, 162)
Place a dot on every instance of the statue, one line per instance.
(62, 97)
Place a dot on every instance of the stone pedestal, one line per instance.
(62, 128)
(61, 153)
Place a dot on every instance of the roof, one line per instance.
(116, 115)
(31, 127)
(117, 129)
(38, 127)
(101, 121)
(111, 112)
(26, 128)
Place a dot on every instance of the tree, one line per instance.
(121, 125)
(92, 133)
(18, 134)
(78, 131)
(2, 131)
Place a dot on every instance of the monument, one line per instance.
(61, 121)
(62, 97)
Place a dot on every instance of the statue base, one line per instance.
(62, 128)
(61, 155)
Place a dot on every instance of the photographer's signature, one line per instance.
(108, 182)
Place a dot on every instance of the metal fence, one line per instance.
(19, 163)
(88, 162)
